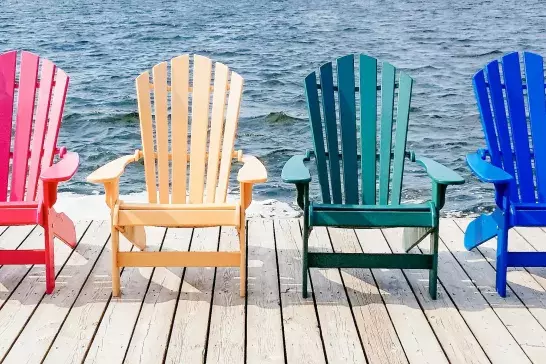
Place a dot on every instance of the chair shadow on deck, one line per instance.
(84, 281)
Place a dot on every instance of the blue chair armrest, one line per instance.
(485, 171)
(295, 171)
(439, 173)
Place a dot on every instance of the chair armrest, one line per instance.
(252, 171)
(485, 171)
(63, 170)
(295, 171)
(112, 170)
(439, 173)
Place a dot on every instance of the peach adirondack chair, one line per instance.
(34, 178)
(194, 199)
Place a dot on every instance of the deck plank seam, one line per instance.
(182, 276)
(279, 290)
(382, 300)
(75, 299)
(142, 302)
(483, 296)
(424, 311)
(43, 294)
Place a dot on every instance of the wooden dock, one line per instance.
(195, 315)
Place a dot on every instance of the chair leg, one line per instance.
(433, 272)
(115, 268)
(242, 249)
(304, 260)
(502, 255)
(49, 258)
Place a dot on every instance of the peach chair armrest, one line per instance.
(111, 171)
(252, 171)
(63, 170)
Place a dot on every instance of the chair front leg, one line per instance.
(49, 253)
(303, 202)
(502, 246)
(246, 199)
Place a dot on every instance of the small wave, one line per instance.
(280, 117)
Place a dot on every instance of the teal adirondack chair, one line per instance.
(355, 192)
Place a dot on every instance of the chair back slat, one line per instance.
(202, 68)
(402, 121)
(7, 89)
(47, 74)
(221, 73)
(348, 123)
(180, 81)
(368, 128)
(232, 121)
(23, 126)
(347, 117)
(385, 143)
(534, 72)
(313, 109)
(159, 73)
(209, 155)
(518, 123)
(505, 159)
(147, 133)
(330, 123)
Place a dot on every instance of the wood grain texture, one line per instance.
(41, 329)
(114, 332)
(339, 332)
(414, 332)
(263, 316)
(29, 293)
(456, 338)
(226, 342)
(521, 324)
(77, 332)
(377, 332)
(150, 336)
(191, 320)
(161, 129)
(298, 313)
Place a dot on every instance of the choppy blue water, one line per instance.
(104, 45)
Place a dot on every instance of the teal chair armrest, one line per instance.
(439, 173)
(295, 171)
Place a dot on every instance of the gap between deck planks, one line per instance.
(195, 314)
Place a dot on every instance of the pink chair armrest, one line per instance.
(63, 170)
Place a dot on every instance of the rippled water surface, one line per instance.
(104, 45)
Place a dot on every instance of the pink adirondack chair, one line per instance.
(33, 179)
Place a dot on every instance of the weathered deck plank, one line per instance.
(226, 342)
(400, 305)
(149, 341)
(29, 293)
(114, 332)
(263, 316)
(301, 329)
(450, 328)
(43, 325)
(339, 332)
(188, 337)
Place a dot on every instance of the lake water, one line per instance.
(104, 45)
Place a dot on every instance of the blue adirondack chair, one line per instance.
(514, 161)
(354, 192)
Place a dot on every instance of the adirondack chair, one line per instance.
(204, 204)
(514, 161)
(34, 177)
(353, 201)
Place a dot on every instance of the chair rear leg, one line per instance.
(242, 249)
(49, 258)
(115, 268)
(304, 260)
(433, 272)
(502, 255)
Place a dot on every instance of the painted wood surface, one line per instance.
(210, 322)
